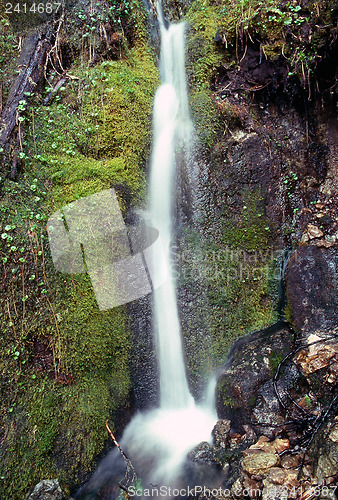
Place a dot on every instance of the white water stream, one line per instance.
(170, 119)
(161, 438)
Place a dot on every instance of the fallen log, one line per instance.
(31, 75)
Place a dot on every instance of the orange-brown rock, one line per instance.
(259, 463)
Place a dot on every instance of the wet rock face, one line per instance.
(219, 463)
(144, 372)
(312, 289)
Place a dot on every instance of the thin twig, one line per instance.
(125, 458)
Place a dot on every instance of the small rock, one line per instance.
(234, 440)
(252, 487)
(237, 488)
(259, 463)
(48, 489)
(202, 453)
(226, 468)
(221, 432)
(333, 375)
(332, 238)
(280, 483)
(305, 238)
(264, 444)
(281, 476)
(314, 232)
(291, 461)
(334, 433)
(320, 206)
(318, 356)
(324, 243)
(250, 434)
(281, 445)
(252, 451)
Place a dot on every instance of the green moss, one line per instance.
(278, 27)
(242, 287)
(275, 358)
(205, 117)
(101, 138)
(64, 363)
(240, 290)
(203, 55)
(250, 230)
(288, 313)
(273, 50)
(230, 403)
(225, 389)
(252, 401)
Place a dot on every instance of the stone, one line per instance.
(268, 410)
(259, 463)
(291, 461)
(48, 489)
(326, 454)
(280, 483)
(234, 440)
(334, 432)
(285, 477)
(252, 487)
(250, 434)
(280, 445)
(314, 231)
(264, 444)
(220, 433)
(318, 355)
(202, 453)
(333, 373)
(324, 243)
(332, 238)
(237, 488)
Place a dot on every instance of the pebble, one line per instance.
(314, 231)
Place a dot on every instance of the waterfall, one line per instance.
(157, 441)
(170, 121)
(163, 436)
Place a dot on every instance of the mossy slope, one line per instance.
(64, 363)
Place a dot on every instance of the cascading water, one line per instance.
(170, 120)
(158, 441)
(162, 437)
